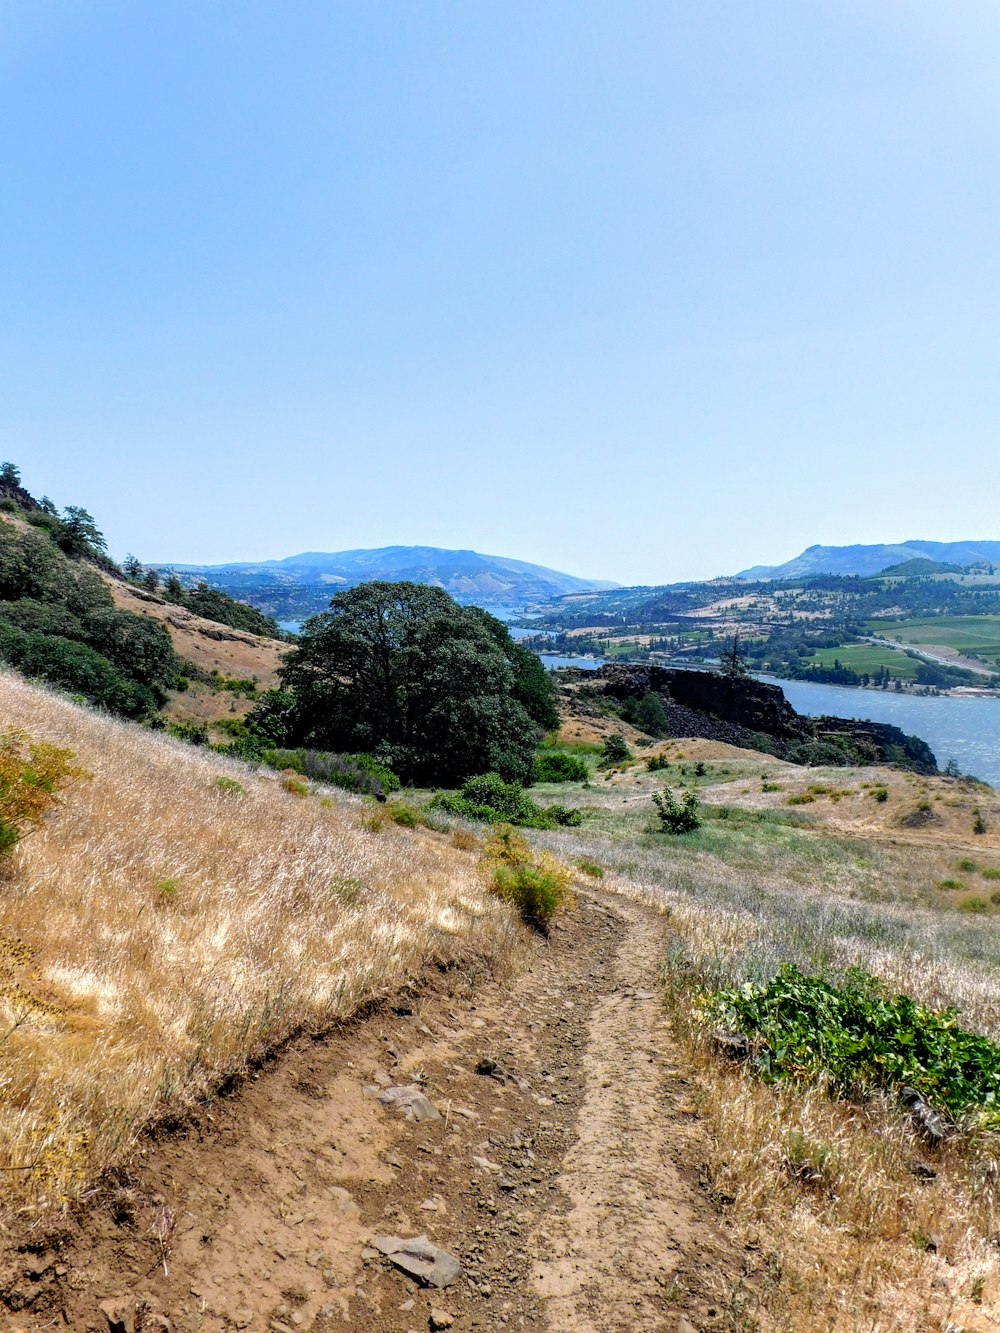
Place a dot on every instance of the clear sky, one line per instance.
(643, 291)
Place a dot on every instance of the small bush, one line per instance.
(615, 749)
(951, 885)
(194, 733)
(766, 786)
(536, 893)
(976, 905)
(803, 798)
(995, 899)
(403, 814)
(677, 816)
(490, 799)
(978, 822)
(880, 794)
(537, 888)
(167, 888)
(970, 867)
(555, 766)
(229, 786)
(353, 772)
(294, 785)
(590, 868)
(31, 775)
(991, 872)
(464, 840)
(657, 762)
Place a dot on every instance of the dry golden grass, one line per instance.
(164, 926)
(839, 884)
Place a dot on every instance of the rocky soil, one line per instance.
(546, 1141)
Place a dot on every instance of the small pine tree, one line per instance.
(151, 580)
(131, 568)
(733, 660)
(978, 822)
(615, 749)
(651, 716)
(9, 475)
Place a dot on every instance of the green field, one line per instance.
(866, 657)
(974, 636)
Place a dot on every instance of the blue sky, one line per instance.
(643, 291)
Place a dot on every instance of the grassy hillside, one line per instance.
(827, 870)
(176, 916)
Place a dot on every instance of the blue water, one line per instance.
(553, 661)
(966, 729)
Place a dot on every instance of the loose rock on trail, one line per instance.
(552, 1185)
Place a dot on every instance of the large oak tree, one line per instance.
(436, 690)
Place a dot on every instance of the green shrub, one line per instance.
(991, 872)
(353, 772)
(556, 766)
(978, 822)
(803, 798)
(615, 749)
(229, 786)
(31, 775)
(951, 885)
(537, 887)
(535, 893)
(657, 762)
(195, 733)
(677, 816)
(880, 794)
(490, 799)
(403, 814)
(968, 866)
(590, 868)
(859, 1039)
(976, 905)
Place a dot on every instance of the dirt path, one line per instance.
(566, 1182)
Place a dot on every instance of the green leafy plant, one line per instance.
(677, 816)
(537, 887)
(494, 801)
(229, 786)
(615, 749)
(31, 776)
(859, 1039)
(557, 766)
(590, 868)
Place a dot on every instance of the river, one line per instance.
(963, 728)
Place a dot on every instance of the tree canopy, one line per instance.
(435, 690)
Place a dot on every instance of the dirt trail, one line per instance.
(566, 1181)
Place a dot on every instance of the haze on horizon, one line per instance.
(642, 292)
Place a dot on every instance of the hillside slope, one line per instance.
(209, 646)
(178, 915)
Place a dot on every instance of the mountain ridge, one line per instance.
(304, 582)
(875, 558)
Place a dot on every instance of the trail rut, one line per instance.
(567, 1181)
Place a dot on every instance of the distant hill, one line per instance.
(867, 560)
(301, 585)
